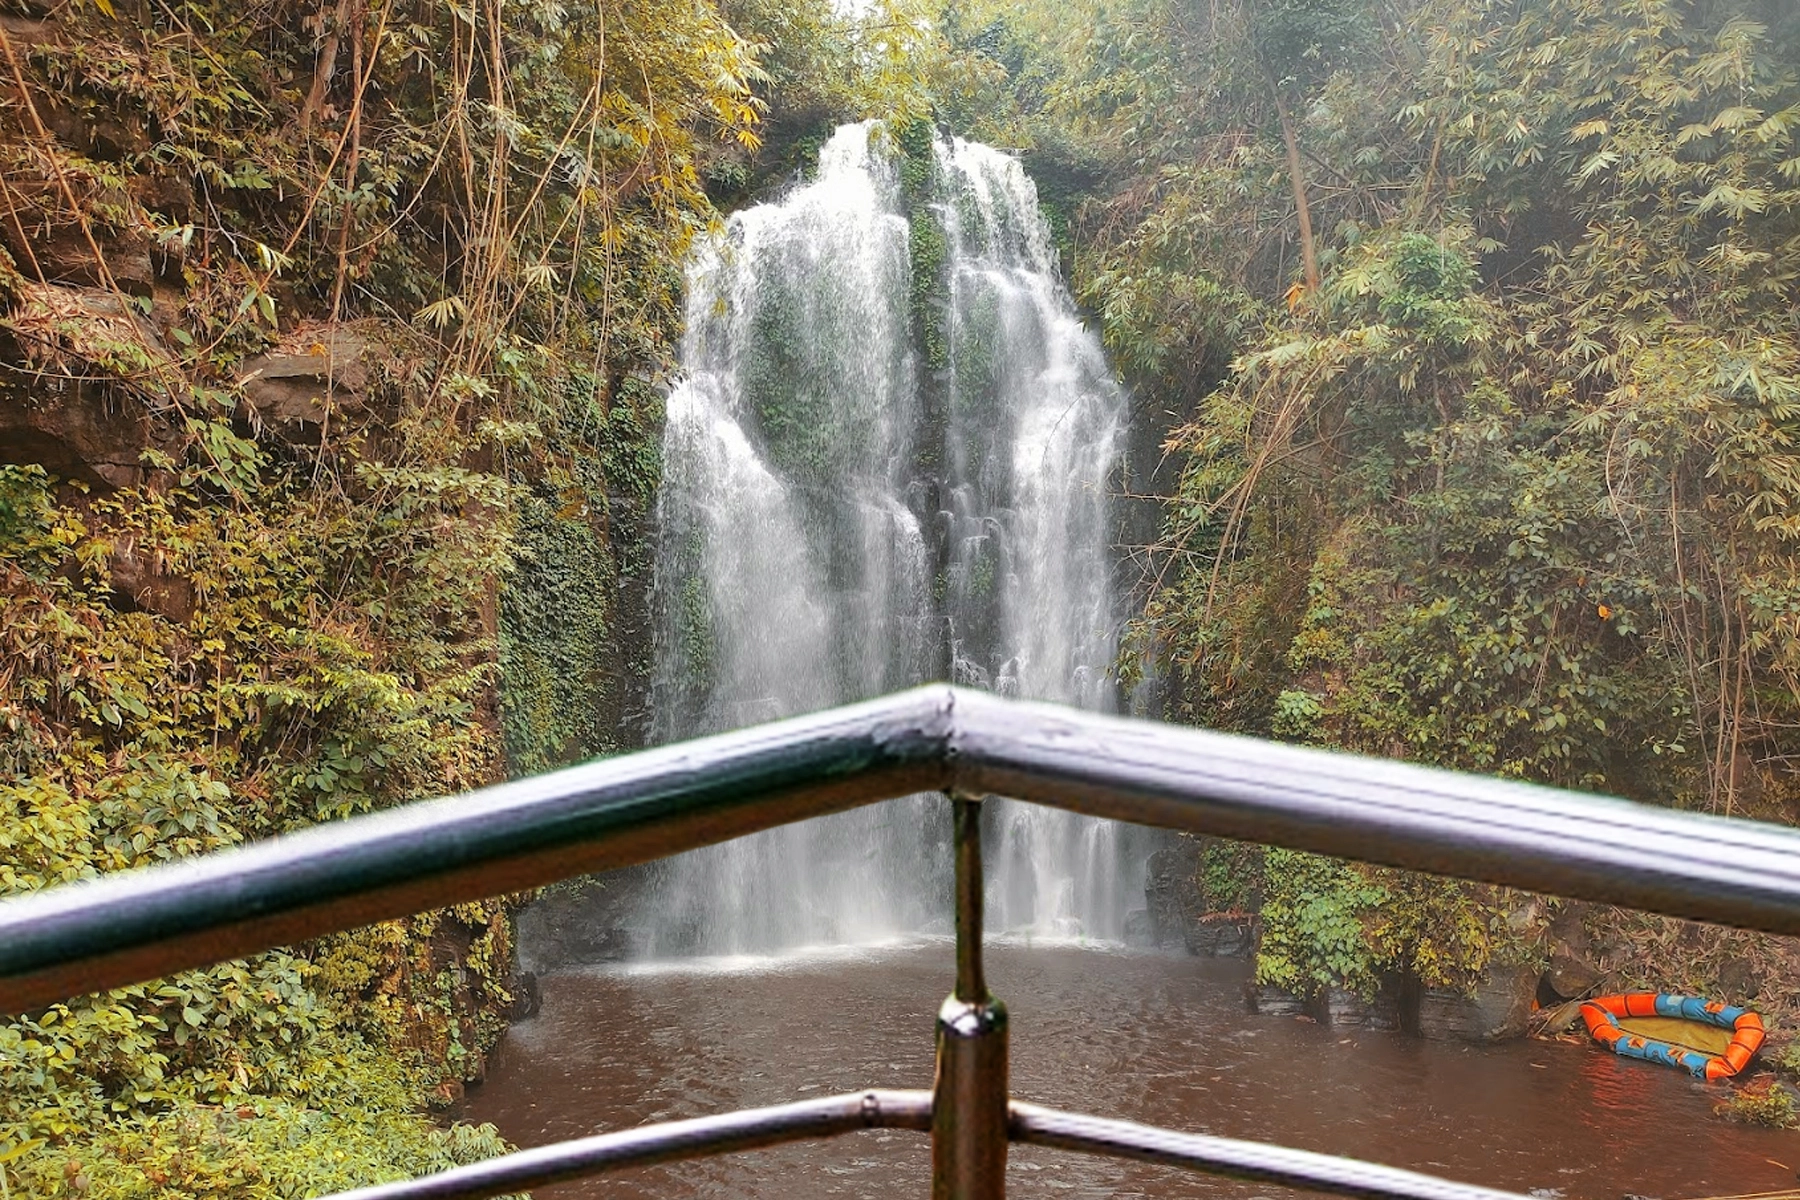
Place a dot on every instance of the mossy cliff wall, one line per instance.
(327, 443)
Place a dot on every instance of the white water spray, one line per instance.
(841, 519)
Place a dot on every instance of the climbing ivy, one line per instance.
(1312, 924)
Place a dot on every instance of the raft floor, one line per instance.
(1690, 1035)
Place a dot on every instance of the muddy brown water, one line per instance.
(1141, 1036)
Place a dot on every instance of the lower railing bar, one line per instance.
(672, 1141)
(1032, 1124)
(1234, 1159)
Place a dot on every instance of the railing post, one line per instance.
(968, 1108)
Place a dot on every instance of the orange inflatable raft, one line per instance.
(1708, 1039)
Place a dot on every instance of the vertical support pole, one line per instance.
(968, 1106)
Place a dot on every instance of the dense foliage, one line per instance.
(327, 459)
(229, 607)
(1475, 327)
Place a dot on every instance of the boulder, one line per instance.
(1737, 981)
(1498, 1009)
(1562, 1018)
(316, 376)
(1571, 977)
(1568, 933)
(1572, 973)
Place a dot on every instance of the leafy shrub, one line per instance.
(1313, 933)
(1763, 1102)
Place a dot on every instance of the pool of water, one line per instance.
(1147, 1037)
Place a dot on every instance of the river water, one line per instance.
(1147, 1037)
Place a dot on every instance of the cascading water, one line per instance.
(843, 516)
(1033, 421)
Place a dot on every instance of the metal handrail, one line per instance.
(134, 926)
(671, 1141)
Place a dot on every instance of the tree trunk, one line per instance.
(1309, 261)
(326, 66)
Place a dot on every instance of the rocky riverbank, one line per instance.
(1549, 954)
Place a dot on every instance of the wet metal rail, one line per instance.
(128, 928)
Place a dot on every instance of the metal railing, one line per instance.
(131, 927)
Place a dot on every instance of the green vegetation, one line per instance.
(928, 249)
(138, 738)
(329, 443)
(1472, 323)
(1475, 326)
(569, 656)
(321, 335)
(1765, 1102)
(1312, 924)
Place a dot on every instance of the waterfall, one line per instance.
(851, 507)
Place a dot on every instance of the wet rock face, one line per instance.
(587, 923)
(1220, 936)
(1499, 1009)
(143, 583)
(1172, 892)
(1346, 1009)
(1176, 910)
(1335, 1006)
(1138, 930)
(528, 998)
(1271, 1001)
(73, 431)
(66, 257)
